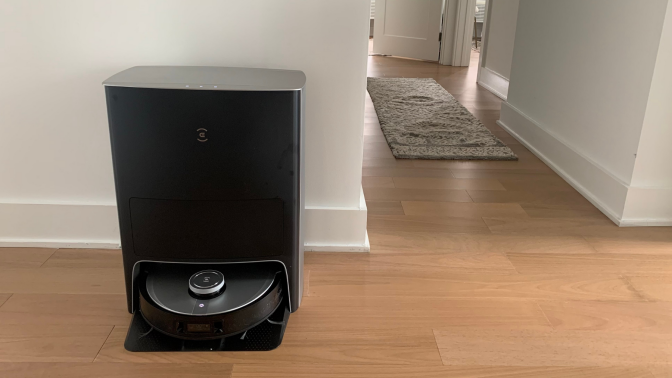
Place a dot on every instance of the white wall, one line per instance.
(497, 49)
(502, 18)
(650, 196)
(580, 81)
(54, 144)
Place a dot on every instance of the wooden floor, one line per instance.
(477, 269)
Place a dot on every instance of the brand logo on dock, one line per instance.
(202, 135)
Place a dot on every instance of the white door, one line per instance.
(408, 28)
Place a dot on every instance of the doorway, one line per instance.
(431, 30)
(496, 50)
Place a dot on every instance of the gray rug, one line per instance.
(421, 120)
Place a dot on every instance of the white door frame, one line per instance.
(458, 31)
(486, 78)
(484, 41)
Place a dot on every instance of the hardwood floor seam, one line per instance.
(438, 350)
(6, 300)
(590, 244)
(50, 256)
(545, 315)
(510, 262)
(103, 344)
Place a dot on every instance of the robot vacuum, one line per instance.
(210, 303)
(208, 168)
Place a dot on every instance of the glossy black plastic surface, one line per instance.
(207, 176)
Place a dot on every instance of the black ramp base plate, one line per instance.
(265, 336)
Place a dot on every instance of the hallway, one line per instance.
(479, 196)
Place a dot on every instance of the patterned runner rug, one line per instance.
(421, 120)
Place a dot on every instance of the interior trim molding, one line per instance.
(494, 82)
(484, 41)
(611, 195)
(464, 31)
(643, 207)
(37, 243)
(337, 229)
(55, 225)
(599, 186)
(73, 225)
(365, 247)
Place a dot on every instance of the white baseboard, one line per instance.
(494, 82)
(648, 207)
(366, 247)
(625, 205)
(72, 225)
(645, 222)
(594, 182)
(66, 225)
(9, 243)
(336, 229)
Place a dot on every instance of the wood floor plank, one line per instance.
(4, 298)
(420, 262)
(521, 174)
(85, 258)
(632, 244)
(386, 162)
(550, 226)
(65, 309)
(546, 183)
(557, 198)
(446, 183)
(306, 281)
(378, 153)
(546, 211)
(529, 263)
(24, 257)
(62, 280)
(399, 168)
(389, 314)
(379, 144)
(374, 138)
(384, 208)
(408, 242)
(399, 194)
(376, 146)
(47, 343)
(433, 224)
(520, 150)
(358, 283)
(536, 347)
(462, 210)
(656, 288)
(588, 227)
(406, 347)
(367, 371)
(112, 370)
(476, 164)
(377, 182)
(609, 316)
(661, 371)
(372, 131)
